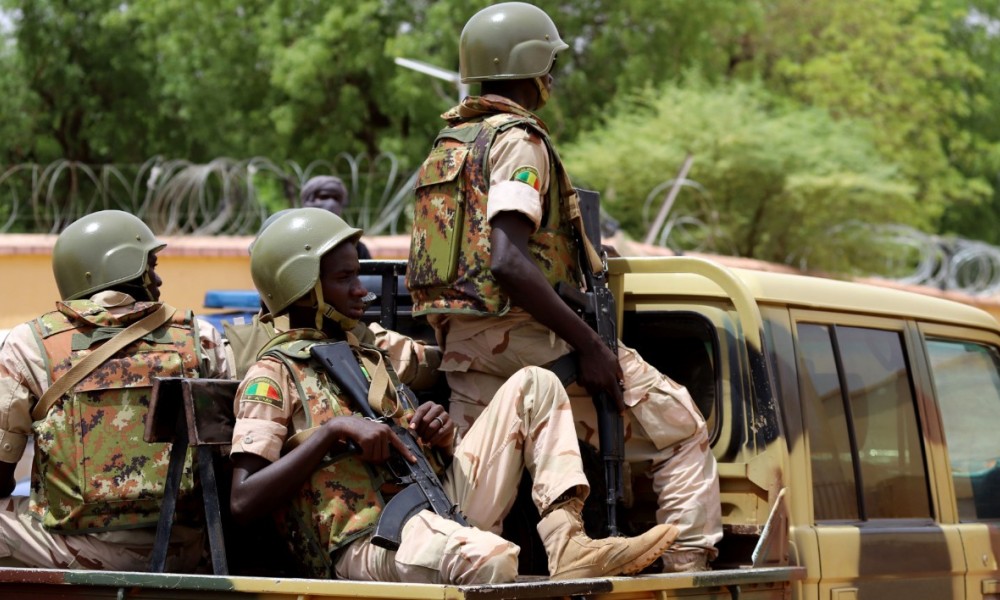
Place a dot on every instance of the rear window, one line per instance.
(865, 443)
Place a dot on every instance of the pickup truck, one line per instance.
(855, 428)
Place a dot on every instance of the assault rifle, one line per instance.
(597, 307)
(422, 488)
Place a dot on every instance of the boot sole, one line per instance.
(630, 568)
(646, 558)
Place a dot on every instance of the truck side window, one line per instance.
(683, 347)
(967, 385)
(865, 444)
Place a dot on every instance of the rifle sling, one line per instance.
(95, 359)
(381, 382)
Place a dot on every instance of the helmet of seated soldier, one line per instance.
(267, 223)
(285, 260)
(510, 40)
(100, 250)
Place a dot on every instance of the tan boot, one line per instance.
(679, 560)
(573, 555)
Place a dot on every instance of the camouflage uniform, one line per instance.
(94, 501)
(330, 520)
(485, 340)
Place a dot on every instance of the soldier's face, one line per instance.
(331, 197)
(152, 280)
(339, 276)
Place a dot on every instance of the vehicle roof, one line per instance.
(804, 291)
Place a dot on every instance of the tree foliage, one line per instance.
(906, 84)
(770, 191)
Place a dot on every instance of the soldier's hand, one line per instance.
(599, 371)
(374, 440)
(432, 424)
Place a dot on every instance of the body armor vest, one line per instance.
(449, 264)
(341, 501)
(93, 469)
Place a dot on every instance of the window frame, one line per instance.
(943, 478)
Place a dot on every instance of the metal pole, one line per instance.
(437, 72)
(669, 202)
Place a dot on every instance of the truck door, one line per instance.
(964, 378)
(874, 509)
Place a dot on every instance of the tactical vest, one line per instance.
(93, 471)
(340, 501)
(449, 263)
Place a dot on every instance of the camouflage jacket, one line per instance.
(92, 469)
(342, 500)
(449, 262)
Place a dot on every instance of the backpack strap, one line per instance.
(96, 358)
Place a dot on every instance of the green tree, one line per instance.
(781, 182)
(212, 85)
(975, 29)
(889, 63)
(16, 99)
(91, 84)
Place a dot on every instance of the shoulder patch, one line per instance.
(264, 390)
(527, 175)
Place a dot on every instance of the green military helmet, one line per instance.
(100, 250)
(511, 40)
(285, 260)
(267, 223)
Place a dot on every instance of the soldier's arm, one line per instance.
(217, 363)
(263, 477)
(21, 366)
(415, 362)
(261, 486)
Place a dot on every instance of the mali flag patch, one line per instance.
(264, 390)
(528, 175)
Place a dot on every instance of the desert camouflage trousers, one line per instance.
(666, 438)
(529, 424)
(23, 539)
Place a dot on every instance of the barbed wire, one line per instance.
(906, 255)
(174, 196)
(232, 197)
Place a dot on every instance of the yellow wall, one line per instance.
(188, 270)
(189, 267)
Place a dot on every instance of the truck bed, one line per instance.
(36, 584)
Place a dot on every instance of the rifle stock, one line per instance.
(423, 489)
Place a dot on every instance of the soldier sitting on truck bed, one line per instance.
(486, 280)
(80, 382)
(300, 451)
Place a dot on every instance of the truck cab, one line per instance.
(859, 420)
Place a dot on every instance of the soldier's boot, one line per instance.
(572, 554)
(681, 560)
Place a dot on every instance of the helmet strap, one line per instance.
(543, 91)
(328, 311)
(147, 283)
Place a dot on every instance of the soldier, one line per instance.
(329, 500)
(79, 380)
(492, 236)
(329, 193)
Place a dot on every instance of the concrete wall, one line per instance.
(189, 267)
